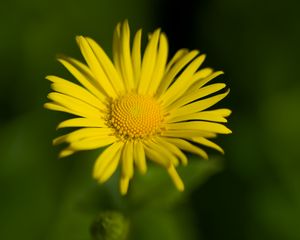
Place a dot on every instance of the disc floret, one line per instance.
(135, 116)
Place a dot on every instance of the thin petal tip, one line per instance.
(46, 105)
(65, 153)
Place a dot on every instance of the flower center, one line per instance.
(135, 116)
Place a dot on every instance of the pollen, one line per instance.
(135, 116)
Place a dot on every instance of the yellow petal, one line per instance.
(178, 55)
(124, 183)
(202, 81)
(206, 142)
(196, 94)
(83, 74)
(198, 105)
(199, 125)
(156, 156)
(182, 82)
(183, 133)
(68, 88)
(127, 160)
(139, 156)
(164, 153)
(186, 146)
(172, 148)
(84, 133)
(125, 56)
(66, 152)
(202, 73)
(148, 63)
(92, 143)
(82, 122)
(95, 66)
(175, 178)
(116, 48)
(59, 140)
(205, 115)
(108, 67)
(74, 104)
(136, 55)
(55, 107)
(224, 112)
(107, 162)
(174, 70)
(160, 64)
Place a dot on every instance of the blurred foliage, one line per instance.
(255, 196)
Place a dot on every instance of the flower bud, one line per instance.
(110, 225)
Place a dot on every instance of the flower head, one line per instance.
(139, 106)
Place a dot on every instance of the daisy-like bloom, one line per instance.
(139, 106)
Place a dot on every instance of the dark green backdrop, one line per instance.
(255, 196)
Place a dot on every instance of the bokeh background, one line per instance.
(252, 193)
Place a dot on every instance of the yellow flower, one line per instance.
(140, 107)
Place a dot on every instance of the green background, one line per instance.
(254, 190)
